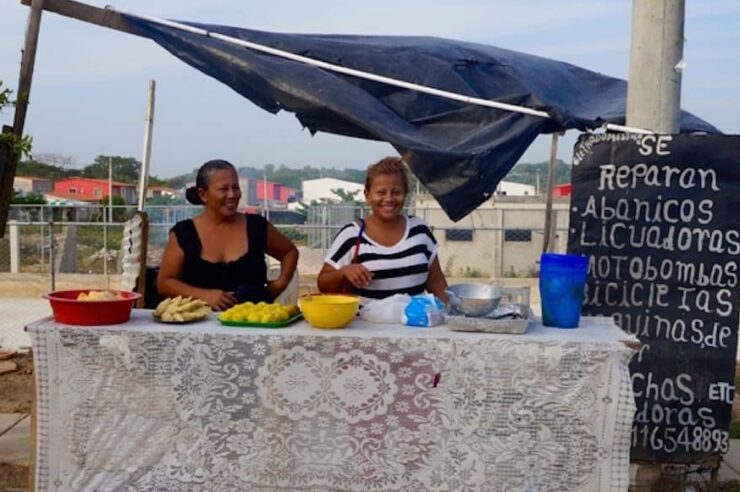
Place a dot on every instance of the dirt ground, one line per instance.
(16, 387)
(35, 285)
(14, 477)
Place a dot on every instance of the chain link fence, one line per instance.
(52, 248)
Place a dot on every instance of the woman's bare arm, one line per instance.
(436, 282)
(283, 250)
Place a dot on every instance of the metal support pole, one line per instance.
(110, 191)
(52, 256)
(15, 247)
(548, 236)
(43, 254)
(656, 63)
(264, 195)
(108, 217)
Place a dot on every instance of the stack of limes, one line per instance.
(261, 312)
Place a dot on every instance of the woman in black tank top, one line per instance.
(219, 256)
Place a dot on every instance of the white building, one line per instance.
(507, 188)
(320, 189)
(30, 184)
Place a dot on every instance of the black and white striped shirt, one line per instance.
(399, 269)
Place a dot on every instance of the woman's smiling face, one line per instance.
(386, 196)
(223, 192)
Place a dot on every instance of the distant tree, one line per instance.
(165, 200)
(155, 181)
(346, 196)
(526, 173)
(250, 172)
(287, 176)
(28, 199)
(55, 159)
(354, 175)
(125, 169)
(21, 144)
(120, 213)
(181, 180)
(39, 169)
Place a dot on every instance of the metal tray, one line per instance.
(509, 326)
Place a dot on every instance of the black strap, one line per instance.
(358, 241)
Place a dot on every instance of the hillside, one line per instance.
(526, 173)
(126, 169)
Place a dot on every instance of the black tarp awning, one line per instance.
(458, 151)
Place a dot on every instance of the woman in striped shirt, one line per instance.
(388, 252)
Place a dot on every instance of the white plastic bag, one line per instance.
(388, 310)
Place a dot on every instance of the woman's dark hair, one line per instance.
(203, 178)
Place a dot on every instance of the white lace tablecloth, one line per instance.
(147, 406)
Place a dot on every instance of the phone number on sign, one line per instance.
(683, 439)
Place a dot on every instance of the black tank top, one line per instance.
(246, 276)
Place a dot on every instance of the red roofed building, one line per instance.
(93, 190)
(561, 190)
(254, 191)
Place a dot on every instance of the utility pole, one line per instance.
(656, 63)
(110, 189)
(264, 195)
(654, 95)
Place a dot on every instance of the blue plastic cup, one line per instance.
(562, 282)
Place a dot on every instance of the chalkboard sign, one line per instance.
(659, 217)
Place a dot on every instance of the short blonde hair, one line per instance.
(388, 165)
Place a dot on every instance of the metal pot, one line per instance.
(474, 300)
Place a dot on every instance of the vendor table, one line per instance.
(149, 406)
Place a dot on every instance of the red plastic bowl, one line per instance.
(68, 310)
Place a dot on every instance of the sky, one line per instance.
(90, 83)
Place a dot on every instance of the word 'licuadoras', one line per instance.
(619, 236)
(625, 176)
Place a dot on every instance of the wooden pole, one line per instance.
(548, 237)
(10, 159)
(87, 13)
(141, 280)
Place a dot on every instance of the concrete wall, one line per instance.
(491, 252)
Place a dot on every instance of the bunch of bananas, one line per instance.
(179, 309)
(261, 312)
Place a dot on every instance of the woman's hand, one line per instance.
(276, 287)
(357, 275)
(219, 300)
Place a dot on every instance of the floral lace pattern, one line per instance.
(185, 411)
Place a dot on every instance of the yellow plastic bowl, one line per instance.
(329, 311)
